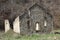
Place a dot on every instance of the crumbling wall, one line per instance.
(24, 26)
(36, 14)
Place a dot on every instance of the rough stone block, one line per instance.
(7, 25)
(16, 25)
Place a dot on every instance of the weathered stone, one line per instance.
(16, 25)
(36, 19)
(7, 25)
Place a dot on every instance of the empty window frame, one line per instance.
(37, 26)
(29, 12)
(28, 24)
(45, 23)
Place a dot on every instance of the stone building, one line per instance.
(36, 19)
(10, 9)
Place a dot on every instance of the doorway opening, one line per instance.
(2, 28)
(37, 28)
(28, 24)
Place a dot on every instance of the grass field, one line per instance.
(13, 36)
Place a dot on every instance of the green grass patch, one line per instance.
(10, 35)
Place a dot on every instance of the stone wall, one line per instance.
(16, 25)
(7, 25)
(36, 14)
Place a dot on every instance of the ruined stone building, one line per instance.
(29, 16)
(35, 20)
